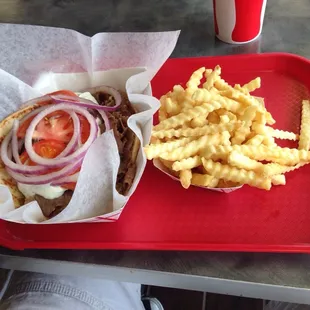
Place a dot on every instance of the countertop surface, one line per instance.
(286, 28)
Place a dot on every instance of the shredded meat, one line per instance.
(124, 138)
(51, 207)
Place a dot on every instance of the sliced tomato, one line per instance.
(55, 126)
(64, 92)
(46, 149)
(70, 186)
(24, 158)
(49, 148)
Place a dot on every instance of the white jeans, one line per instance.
(26, 291)
(48, 292)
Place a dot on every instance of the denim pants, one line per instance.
(26, 290)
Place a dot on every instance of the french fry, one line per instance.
(224, 184)
(178, 92)
(187, 115)
(278, 179)
(154, 150)
(185, 105)
(221, 84)
(196, 132)
(269, 141)
(194, 82)
(283, 156)
(239, 88)
(304, 138)
(241, 161)
(193, 147)
(260, 129)
(248, 101)
(252, 85)
(172, 107)
(260, 119)
(249, 114)
(222, 112)
(241, 134)
(212, 77)
(187, 163)
(234, 174)
(281, 134)
(213, 118)
(199, 121)
(256, 140)
(204, 180)
(272, 169)
(195, 78)
(224, 119)
(162, 113)
(203, 95)
(185, 178)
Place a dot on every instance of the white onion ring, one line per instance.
(7, 160)
(76, 155)
(87, 104)
(115, 94)
(105, 120)
(32, 113)
(46, 178)
(10, 152)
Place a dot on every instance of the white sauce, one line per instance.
(45, 190)
(87, 95)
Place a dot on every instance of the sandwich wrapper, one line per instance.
(36, 60)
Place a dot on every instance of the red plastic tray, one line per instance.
(162, 215)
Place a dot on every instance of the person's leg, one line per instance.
(28, 290)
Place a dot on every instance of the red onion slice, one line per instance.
(105, 119)
(4, 153)
(76, 155)
(68, 179)
(89, 104)
(115, 94)
(10, 152)
(46, 178)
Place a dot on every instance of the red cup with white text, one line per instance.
(238, 21)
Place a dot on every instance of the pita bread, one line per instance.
(5, 179)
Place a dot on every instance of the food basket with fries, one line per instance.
(218, 136)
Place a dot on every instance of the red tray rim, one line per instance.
(250, 55)
(9, 241)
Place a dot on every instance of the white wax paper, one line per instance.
(35, 60)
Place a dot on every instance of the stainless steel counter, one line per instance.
(270, 276)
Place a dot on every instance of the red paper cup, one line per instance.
(238, 21)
